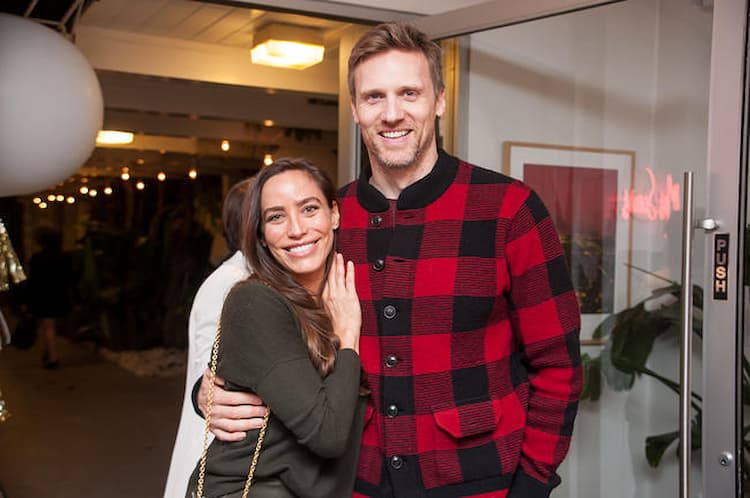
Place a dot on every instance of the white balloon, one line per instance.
(50, 107)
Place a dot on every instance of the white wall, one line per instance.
(634, 76)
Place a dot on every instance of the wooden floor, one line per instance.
(88, 430)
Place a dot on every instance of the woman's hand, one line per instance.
(342, 304)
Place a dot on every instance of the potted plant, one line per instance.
(629, 337)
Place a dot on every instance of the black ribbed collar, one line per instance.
(418, 195)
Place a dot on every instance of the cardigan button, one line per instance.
(391, 361)
(376, 220)
(391, 411)
(397, 462)
(389, 311)
(378, 265)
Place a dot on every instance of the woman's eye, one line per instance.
(310, 208)
(273, 217)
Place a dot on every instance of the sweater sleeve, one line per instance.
(546, 321)
(262, 350)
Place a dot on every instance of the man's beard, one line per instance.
(412, 159)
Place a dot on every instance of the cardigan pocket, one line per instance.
(469, 419)
(473, 441)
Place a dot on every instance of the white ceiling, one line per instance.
(178, 72)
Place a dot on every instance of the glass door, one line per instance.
(601, 111)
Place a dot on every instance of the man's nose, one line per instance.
(393, 111)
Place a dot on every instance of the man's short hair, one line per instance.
(231, 213)
(397, 36)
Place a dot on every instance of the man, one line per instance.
(204, 318)
(470, 322)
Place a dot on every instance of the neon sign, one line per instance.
(656, 204)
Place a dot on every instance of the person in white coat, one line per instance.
(204, 318)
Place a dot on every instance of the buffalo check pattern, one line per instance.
(469, 338)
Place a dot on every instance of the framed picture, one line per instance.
(583, 189)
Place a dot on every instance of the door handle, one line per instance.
(686, 326)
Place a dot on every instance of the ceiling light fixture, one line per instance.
(284, 45)
(113, 137)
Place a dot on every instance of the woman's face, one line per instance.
(297, 225)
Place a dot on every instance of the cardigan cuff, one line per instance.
(525, 486)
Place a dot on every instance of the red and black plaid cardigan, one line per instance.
(469, 338)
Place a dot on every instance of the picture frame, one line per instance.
(584, 189)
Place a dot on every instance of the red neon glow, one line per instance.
(656, 204)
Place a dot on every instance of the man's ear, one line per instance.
(440, 103)
(354, 110)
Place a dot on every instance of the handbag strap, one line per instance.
(206, 430)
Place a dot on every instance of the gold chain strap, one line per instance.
(209, 409)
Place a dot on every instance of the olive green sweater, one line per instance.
(313, 436)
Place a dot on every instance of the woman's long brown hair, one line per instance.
(322, 343)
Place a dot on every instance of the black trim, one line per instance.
(419, 194)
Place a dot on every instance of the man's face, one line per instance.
(395, 105)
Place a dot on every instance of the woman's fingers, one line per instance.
(350, 277)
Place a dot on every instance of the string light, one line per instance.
(268, 123)
(84, 190)
(60, 198)
(93, 192)
(225, 145)
(161, 176)
(107, 190)
(125, 174)
(51, 197)
(71, 200)
(140, 185)
(193, 173)
(267, 160)
(37, 200)
(42, 205)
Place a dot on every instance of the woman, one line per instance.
(282, 333)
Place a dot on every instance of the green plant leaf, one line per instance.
(592, 377)
(657, 445)
(617, 379)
